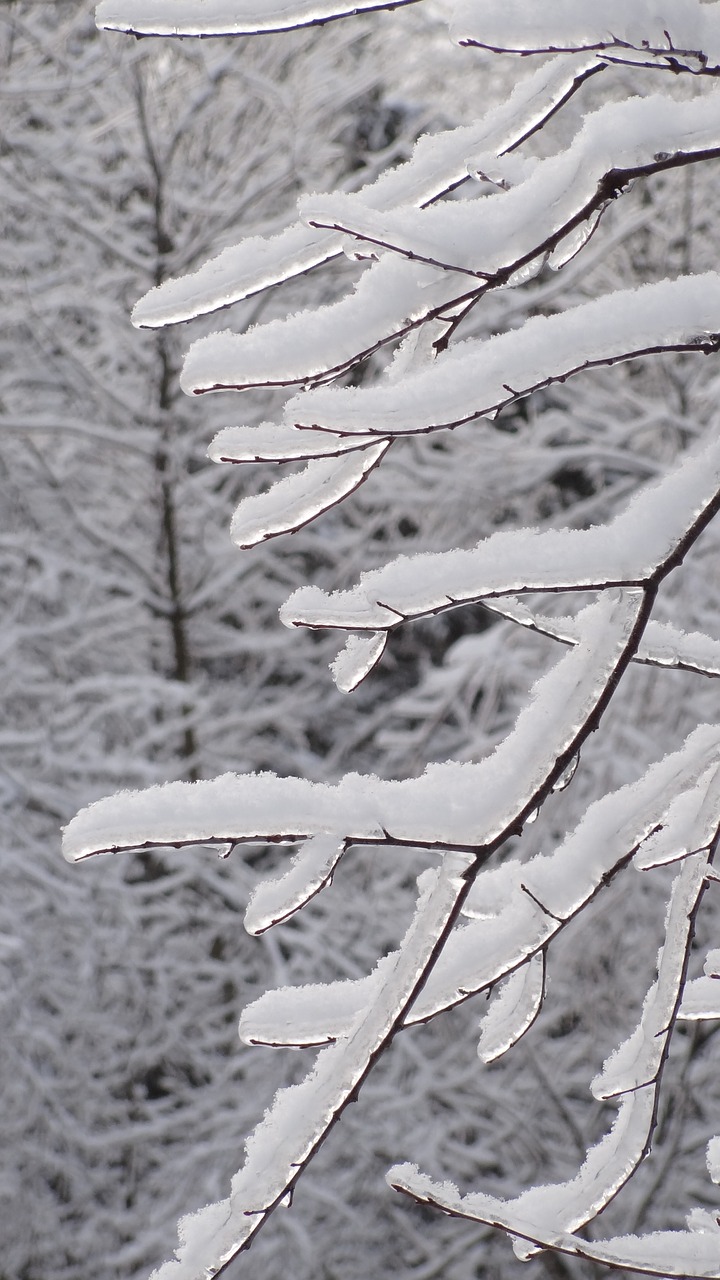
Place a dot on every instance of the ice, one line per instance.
(358, 657)
(691, 823)
(390, 297)
(238, 272)
(713, 1158)
(566, 778)
(701, 999)
(438, 162)
(225, 17)
(646, 26)
(513, 1009)
(278, 442)
(509, 925)
(545, 1212)
(476, 377)
(630, 548)
(295, 500)
(299, 1117)
(449, 805)
(571, 244)
(312, 1015)
(492, 235)
(639, 1059)
(309, 872)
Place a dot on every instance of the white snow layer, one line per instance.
(438, 162)
(476, 378)
(638, 1060)
(691, 823)
(686, 1255)
(662, 645)
(630, 548)
(449, 805)
(670, 27)
(713, 1158)
(701, 999)
(508, 925)
(513, 1010)
(511, 924)
(299, 1117)
(279, 442)
(487, 236)
(225, 17)
(540, 1214)
(296, 499)
(310, 870)
(544, 1212)
(357, 658)
(390, 297)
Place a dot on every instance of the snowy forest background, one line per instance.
(138, 645)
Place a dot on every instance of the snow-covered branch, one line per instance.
(457, 289)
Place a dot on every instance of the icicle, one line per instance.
(567, 774)
(571, 244)
(527, 272)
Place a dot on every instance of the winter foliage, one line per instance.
(493, 407)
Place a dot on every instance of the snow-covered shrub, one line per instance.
(486, 912)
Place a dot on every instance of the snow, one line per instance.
(240, 271)
(701, 999)
(432, 258)
(315, 1014)
(508, 925)
(310, 870)
(639, 1059)
(646, 26)
(358, 657)
(544, 1212)
(499, 233)
(541, 1213)
(691, 823)
(296, 499)
(300, 1116)
(662, 644)
(438, 162)
(225, 17)
(513, 1010)
(476, 378)
(449, 805)
(278, 442)
(713, 1158)
(390, 297)
(630, 548)
(687, 1255)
